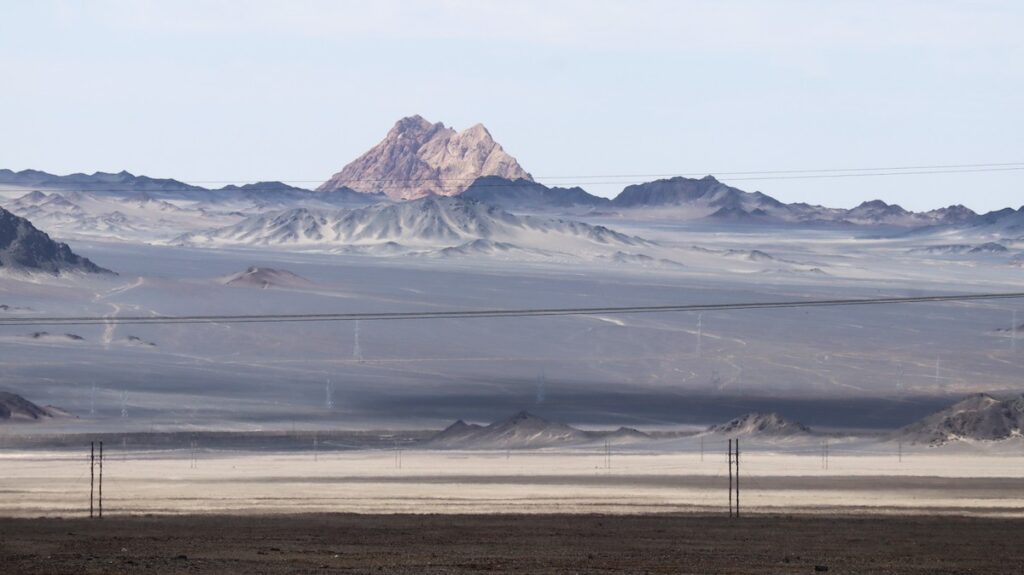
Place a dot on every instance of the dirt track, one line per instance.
(509, 543)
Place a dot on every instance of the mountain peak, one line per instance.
(413, 125)
(418, 158)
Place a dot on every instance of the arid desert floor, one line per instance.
(56, 483)
(318, 543)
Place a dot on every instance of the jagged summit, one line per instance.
(760, 424)
(979, 417)
(418, 158)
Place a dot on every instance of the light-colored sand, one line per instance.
(57, 483)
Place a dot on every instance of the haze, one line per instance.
(245, 91)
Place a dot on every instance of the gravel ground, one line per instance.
(511, 544)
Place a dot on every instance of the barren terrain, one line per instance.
(511, 544)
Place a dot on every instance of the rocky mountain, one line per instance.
(760, 425)
(15, 408)
(264, 278)
(979, 417)
(23, 247)
(525, 195)
(418, 158)
(428, 222)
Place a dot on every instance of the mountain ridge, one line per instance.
(432, 221)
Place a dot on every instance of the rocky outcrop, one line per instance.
(25, 248)
(418, 158)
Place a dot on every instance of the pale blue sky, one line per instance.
(293, 90)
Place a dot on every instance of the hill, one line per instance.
(16, 408)
(760, 425)
(979, 417)
(264, 278)
(25, 248)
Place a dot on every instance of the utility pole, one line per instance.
(730, 478)
(737, 477)
(101, 481)
(1013, 332)
(700, 332)
(92, 474)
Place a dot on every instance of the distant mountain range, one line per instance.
(523, 431)
(126, 184)
(24, 248)
(420, 159)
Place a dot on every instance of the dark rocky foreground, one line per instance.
(511, 544)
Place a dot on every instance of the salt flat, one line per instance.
(565, 481)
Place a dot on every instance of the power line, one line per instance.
(493, 313)
(601, 179)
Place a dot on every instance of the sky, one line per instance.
(236, 91)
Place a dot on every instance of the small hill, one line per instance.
(760, 425)
(979, 417)
(23, 247)
(520, 431)
(16, 408)
(264, 278)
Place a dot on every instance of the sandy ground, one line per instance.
(512, 544)
(375, 481)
